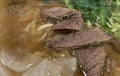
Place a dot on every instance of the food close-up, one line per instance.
(59, 37)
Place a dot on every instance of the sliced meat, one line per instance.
(82, 38)
(68, 25)
(94, 61)
(63, 18)
(59, 13)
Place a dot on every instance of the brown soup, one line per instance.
(23, 36)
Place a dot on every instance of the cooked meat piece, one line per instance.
(116, 44)
(59, 13)
(94, 60)
(82, 38)
(64, 19)
(68, 25)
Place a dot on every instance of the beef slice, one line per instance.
(91, 36)
(94, 61)
(59, 13)
(68, 25)
(64, 19)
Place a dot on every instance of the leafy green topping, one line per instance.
(104, 12)
(93, 10)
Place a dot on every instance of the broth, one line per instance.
(19, 38)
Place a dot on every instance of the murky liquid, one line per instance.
(22, 44)
(21, 41)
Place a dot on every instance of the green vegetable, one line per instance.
(118, 2)
(103, 16)
(93, 10)
(114, 22)
(104, 12)
(68, 3)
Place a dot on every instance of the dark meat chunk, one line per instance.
(68, 25)
(59, 13)
(94, 61)
(56, 13)
(93, 36)
(65, 19)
